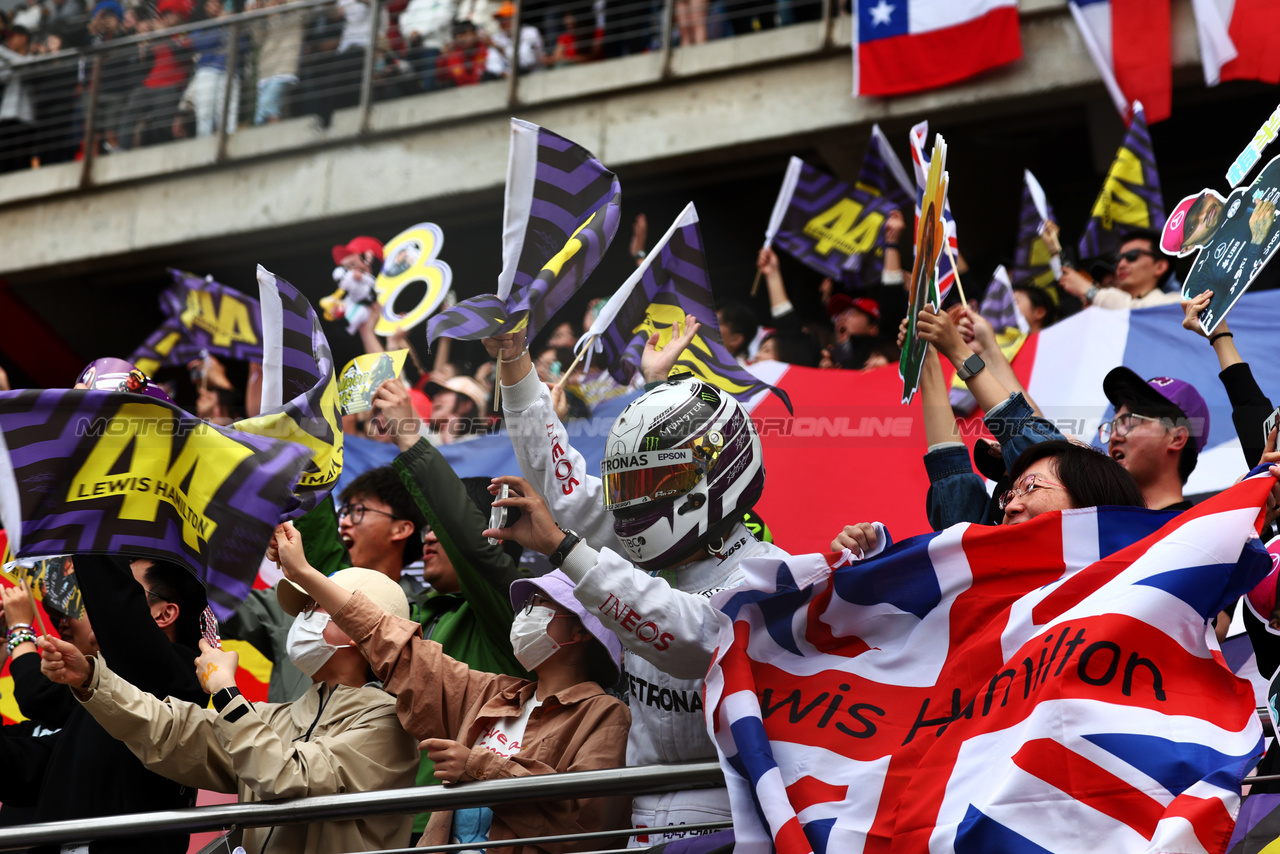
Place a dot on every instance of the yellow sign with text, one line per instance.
(133, 458)
(843, 227)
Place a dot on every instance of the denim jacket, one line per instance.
(956, 492)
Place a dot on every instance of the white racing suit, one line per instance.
(664, 619)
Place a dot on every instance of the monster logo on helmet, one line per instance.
(684, 466)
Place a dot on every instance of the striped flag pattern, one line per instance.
(1040, 687)
(837, 228)
(1031, 264)
(562, 212)
(671, 283)
(920, 161)
(1130, 196)
(299, 390)
(201, 314)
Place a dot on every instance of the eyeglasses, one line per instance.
(357, 511)
(1134, 254)
(1024, 486)
(154, 595)
(1121, 426)
(536, 600)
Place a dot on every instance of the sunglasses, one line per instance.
(1134, 254)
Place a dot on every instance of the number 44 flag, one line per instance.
(905, 46)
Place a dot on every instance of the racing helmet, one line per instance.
(682, 464)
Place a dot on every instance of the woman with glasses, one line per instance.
(485, 726)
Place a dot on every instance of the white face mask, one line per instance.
(308, 650)
(529, 639)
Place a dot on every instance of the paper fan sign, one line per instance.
(410, 258)
(1235, 237)
(362, 376)
(52, 581)
(931, 234)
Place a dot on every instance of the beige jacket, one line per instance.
(347, 741)
(1115, 298)
(578, 729)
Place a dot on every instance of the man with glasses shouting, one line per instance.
(1159, 429)
(1140, 271)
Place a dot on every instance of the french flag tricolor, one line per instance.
(905, 46)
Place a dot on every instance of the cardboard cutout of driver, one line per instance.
(1235, 237)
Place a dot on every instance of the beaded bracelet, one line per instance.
(17, 626)
(23, 636)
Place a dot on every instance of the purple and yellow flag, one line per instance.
(202, 315)
(562, 211)
(85, 471)
(1130, 196)
(299, 390)
(1032, 264)
(836, 228)
(671, 283)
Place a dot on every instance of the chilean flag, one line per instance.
(905, 46)
(1129, 41)
(1239, 39)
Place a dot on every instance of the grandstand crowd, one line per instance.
(161, 85)
(409, 641)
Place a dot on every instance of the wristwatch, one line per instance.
(1090, 294)
(639, 254)
(223, 698)
(970, 367)
(557, 557)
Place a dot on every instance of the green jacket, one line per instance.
(260, 620)
(473, 626)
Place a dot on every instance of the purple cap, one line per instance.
(1122, 385)
(558, 586)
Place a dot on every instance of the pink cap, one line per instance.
(1171, 237)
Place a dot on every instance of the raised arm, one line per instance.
(547, 459)
(673, 630)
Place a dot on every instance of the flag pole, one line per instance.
(956, 269)
(576, 359)
(755, 285)
(497, 384)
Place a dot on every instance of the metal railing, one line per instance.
(122, 94)
(617, 781)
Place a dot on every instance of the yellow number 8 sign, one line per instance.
(411, 257)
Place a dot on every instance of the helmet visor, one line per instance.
(632, 479)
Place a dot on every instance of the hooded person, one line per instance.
(487, 726)
(342, 735)
(647, 546)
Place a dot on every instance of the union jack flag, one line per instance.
(1041, 687)
(919, 160)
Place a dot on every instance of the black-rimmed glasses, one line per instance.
(357, 511)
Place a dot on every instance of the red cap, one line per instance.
(181, 8)
(358, 246)
(840, 303)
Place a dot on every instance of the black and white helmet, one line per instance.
(682, 464)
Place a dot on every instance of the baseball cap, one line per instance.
(1123, 385)
(840, 303)
(1171, 237)
(358, 246)
(383, 592)
(108, 6)
(465, 386)
(506, 10)
(558, 586)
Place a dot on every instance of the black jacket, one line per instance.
(81, 771)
